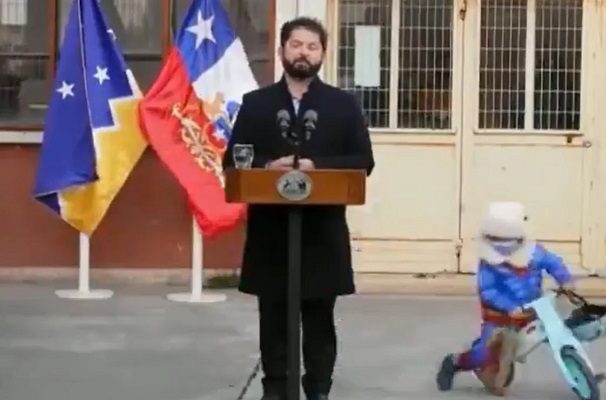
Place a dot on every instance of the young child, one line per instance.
(510, 274)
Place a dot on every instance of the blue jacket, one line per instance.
(503, 288)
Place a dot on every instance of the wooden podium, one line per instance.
(298, 189)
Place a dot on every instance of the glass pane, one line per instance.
(24, 26)
(502, 64)
(24, 90)
(136, 23)
(373, 92)
(557, 94)
(24, 49)
(252, 22)
(425, 87)
(145, 71)
(144, 68)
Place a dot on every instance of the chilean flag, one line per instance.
(188, 113)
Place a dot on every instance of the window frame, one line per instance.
(457, 85)
(50, 55)
(394, 69)
(530, 69)
(16, 130)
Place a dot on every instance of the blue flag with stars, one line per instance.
(92, 139)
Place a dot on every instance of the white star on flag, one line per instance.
(219, 134)
(202, 29)
(66, 89)
(101, 75)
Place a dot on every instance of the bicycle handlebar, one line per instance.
(572, 296)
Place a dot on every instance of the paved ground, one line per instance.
(139, 346)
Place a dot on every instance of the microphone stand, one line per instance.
(297, 157)
(296, 144)
(295, 217)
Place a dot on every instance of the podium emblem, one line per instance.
(294, 185)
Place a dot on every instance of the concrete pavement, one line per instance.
(139, 346)
(443, 284)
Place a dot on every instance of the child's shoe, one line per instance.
(447, 373)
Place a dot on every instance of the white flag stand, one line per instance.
(83, 292)
(196, 295)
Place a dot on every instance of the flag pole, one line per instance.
(197, 282)
(84, 292)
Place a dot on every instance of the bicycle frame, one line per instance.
(549, 328)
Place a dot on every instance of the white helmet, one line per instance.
(504, 235)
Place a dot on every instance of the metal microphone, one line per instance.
(284, 123)
(310, 119)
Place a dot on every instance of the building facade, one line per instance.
(468, 101)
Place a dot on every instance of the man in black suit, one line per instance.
(340, 140)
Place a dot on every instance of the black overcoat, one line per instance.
(341, 140)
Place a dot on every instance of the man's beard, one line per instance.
(301, 69)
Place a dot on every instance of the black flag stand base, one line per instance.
(294, 303)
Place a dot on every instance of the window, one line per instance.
(137, 25)
(530, 68)
(31, 33)
(25, 61)
(530, 81)
(252, 21)
(410, 87)
(557, 96)
(502, 64)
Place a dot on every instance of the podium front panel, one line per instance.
(265, 186)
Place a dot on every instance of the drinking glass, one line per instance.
(243, 155)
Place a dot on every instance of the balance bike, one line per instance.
(564, 337)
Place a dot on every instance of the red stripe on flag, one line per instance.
(173, 120)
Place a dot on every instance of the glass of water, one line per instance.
(243, 155)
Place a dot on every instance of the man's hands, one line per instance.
(281, 163)
(306, 164)
(287, 162)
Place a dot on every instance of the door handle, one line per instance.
(462, 9)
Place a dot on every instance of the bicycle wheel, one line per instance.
(587, 385)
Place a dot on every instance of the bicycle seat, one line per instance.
(587, 322)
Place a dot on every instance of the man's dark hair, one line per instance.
(310, 24)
